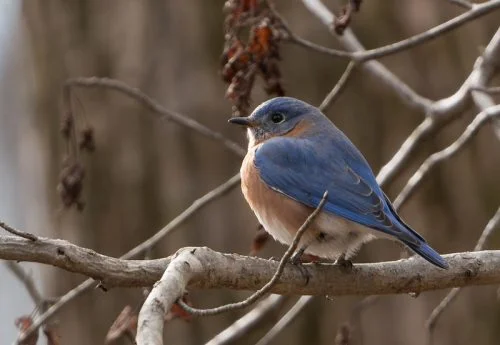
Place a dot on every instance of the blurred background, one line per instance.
(144, 172)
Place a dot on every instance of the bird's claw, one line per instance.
(344, 264)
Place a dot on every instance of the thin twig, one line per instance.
(249, 321)
(430, 324)
(197, 205)
(144, 246)
(481, 119)
(153, 105)
(19, 233)
(351, 43)
(475, 12)
(462, 3)
(27, 281)
(337, 89)
(285, 320)
(392, 168)
(266, 288)
(360, 56)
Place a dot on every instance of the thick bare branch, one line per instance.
(154, 106)
(239, 272)
(59, 253)
(205, 268)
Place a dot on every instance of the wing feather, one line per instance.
(295, 168)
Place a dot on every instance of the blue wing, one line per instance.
(296, 168)
(303, 170)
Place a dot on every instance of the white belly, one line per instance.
(341, 236)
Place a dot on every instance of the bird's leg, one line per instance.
(343, 263)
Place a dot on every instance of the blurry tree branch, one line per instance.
(337, 89)
(439, 112)
(488, 65)
(489, 114)
(359, 55)
(443, 111)
(463, 3)
(285, 320)
(490, 90)
(153, 105)
(430, 324)
(174, 224)
(27, 280)
(249, 321)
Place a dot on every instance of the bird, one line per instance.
(296, 154)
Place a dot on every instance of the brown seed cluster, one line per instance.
(79, 137)
(252, 35)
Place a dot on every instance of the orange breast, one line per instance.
(280, 215)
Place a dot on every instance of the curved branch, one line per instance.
(481, 119)
(477, 10)
(337, 89)
(327, 18)
(154, 106)
(487, 66)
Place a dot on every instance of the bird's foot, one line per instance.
(344, 264)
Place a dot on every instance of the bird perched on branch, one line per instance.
(295, 154)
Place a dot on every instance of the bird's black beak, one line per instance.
(242, 121)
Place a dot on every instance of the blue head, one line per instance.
(280, 116)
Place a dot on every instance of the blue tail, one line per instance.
(429, 254)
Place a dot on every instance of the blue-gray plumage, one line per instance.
(295, 154)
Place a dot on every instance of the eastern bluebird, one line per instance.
(295, 153)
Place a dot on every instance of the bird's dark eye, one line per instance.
(277, 117)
